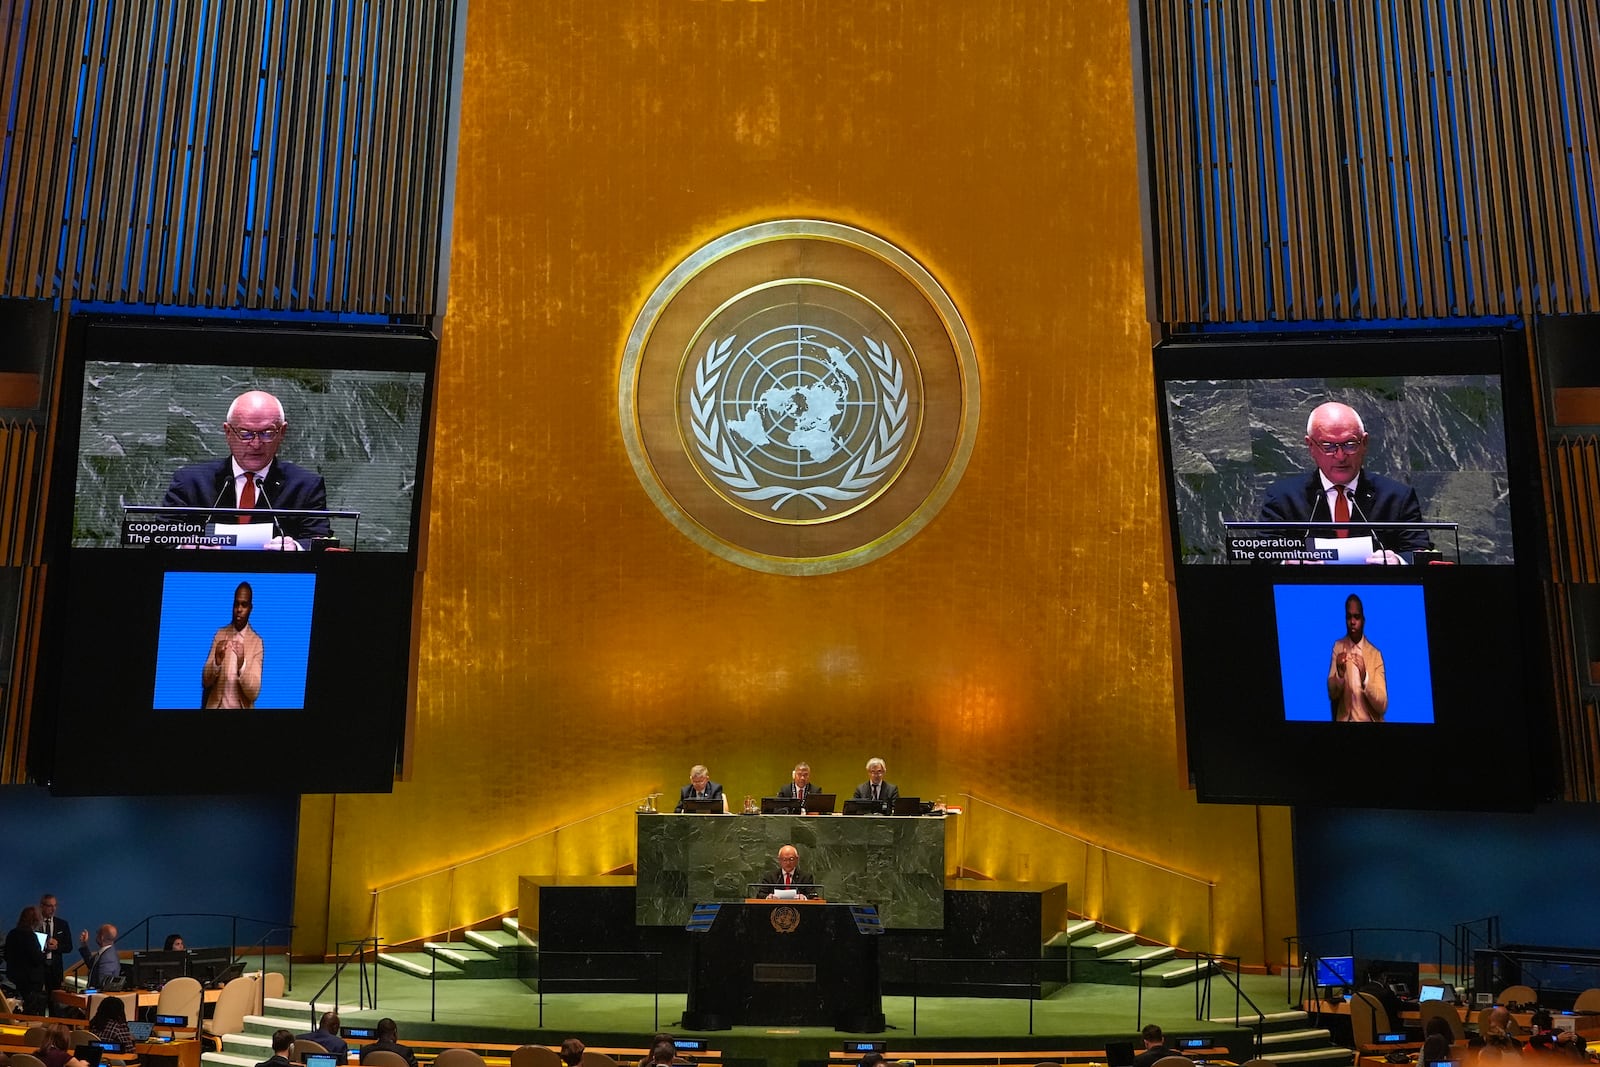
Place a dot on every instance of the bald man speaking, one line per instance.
(251, 484)
(1339, 490)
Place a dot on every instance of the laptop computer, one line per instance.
(322, 1059)
(89, 1054)
(1437, 991)
(821, 803)
(1119, 1054)
(139, 1030)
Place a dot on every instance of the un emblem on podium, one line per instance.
(785, 918)
(799, 397)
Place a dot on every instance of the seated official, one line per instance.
(800, 784)
(1155, 1047)
(788, 875)
(105, 966)
(875, 788)
(387, 1040)
(327, 1035)
(110, 1022)
(282, 1042)
(701, 787)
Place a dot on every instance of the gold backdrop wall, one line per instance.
(577, 651)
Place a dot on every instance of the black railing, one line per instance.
(357, 952)
(589, 979)
(1202, 994)
(147, 925)
(980, 971)
(1305, 950)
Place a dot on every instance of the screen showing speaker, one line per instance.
(233, 529)
(1346, 516)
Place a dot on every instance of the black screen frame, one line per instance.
(349, 736)
(1482, 752)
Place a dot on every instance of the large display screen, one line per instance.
(1346, 518)
(233, 532)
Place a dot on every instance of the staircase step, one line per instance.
(1175, 973)
(1295, 1040)
(473, 962)
(228, 1059)
(494, 942)
(1141, 955)
(1272, 1020)
(509, 924)
(421, 965)
(1093, 946)
(1333, 1056)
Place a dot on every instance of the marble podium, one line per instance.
(896, 863)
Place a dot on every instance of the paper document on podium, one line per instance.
(249, 535)
(1350, 549)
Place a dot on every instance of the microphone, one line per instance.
(225, 483)
(261, 488)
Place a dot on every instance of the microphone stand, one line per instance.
(277, 527)
(1376, 540)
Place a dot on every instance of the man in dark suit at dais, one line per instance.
(1339, 490)
(251, 484)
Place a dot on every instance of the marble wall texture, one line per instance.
(1442, 435)
(358, 428)
(895, 863)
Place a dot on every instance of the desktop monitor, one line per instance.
(153, 969)
(1119, 1054)
(907, 805)
(708, 806)
(1336, 970)
(780, 806)
(820, 803)
(866, 807)
(213, 966)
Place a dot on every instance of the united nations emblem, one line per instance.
(785, 918)
(799, 396)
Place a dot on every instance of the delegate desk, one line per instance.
(898, 863)
(786, 963)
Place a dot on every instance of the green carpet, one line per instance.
(506, 1011)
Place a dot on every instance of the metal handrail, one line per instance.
(359, 950)
(1202, 1000)
(148, 924)
(1032, 963)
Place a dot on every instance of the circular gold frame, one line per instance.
(763, 259)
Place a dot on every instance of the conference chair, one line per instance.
(33, 1037)
(458, 1057)
(82, 1037)
(1438, 1009)
(1588, 1000)
(1518, 994)
(1258, 1062)
(591, 1058)
(1173, 1061)
(1368, 1018)
(237, 999)
(534, 1056)
(25, 1059)
(384, 1058)
(181, 996)
(303, 1047)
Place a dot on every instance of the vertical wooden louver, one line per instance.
(20, 445)
(275, 154)
(1329, 160)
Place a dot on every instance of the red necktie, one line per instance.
(247, 499)
(788, 879)
(1341, 510)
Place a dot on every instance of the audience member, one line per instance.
(282, 1042)
(57, 936)
(1441, 1026)
(1436, 1049)
(54, 1050)
(105, 966)
(388, 1041)
(873, 1059)
(174, 943)
(799, 784)
(327, 1035)
(572, 1052)
(1497, 1038)
(662, 1053)
(25, 962)
(1155, 1047)
(110, 1022)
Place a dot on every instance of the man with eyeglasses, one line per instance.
(1340, 491)
(251, 484)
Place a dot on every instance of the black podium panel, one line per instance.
(789, 963)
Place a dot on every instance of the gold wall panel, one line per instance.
(577, 651)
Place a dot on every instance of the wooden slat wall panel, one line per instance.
(1433, 159)
(20, 447)
(135, 176)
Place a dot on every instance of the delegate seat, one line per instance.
(383, 1058)
(1438, 1009)
(535, 1056)
(182, 996)
(1518, 994)
(1368, 1018)
(237, 999)
(1588, 1000)
(303, 1047)
(458, 1057)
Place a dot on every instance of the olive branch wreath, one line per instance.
(868, 467)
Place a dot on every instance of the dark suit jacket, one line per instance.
(773, 879)
(787, 792)
(55, 962)
(287, 486)
(886, 792)
(1160, 1052)
(1376, 499)
(713, 792)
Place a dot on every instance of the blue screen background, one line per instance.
(1311, 618)
(194, 606)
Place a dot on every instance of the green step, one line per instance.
(1093, 946)
(421, 965)
(495, 942)
(1178, 972)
